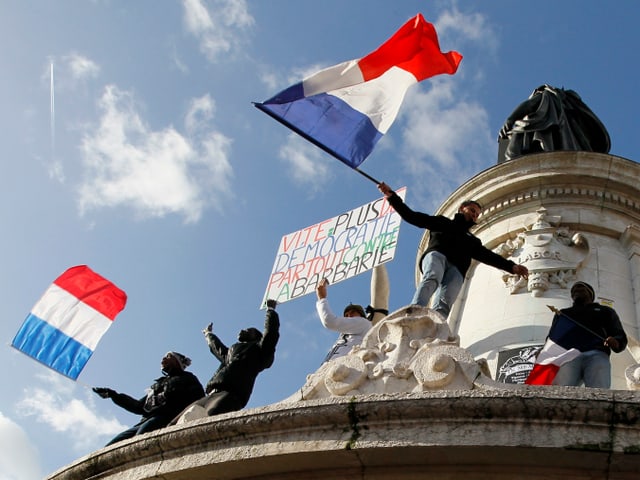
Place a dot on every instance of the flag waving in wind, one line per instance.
(345, 109)
(64, 327)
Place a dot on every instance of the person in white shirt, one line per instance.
(352, 326)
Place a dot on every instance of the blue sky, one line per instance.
(147, 162)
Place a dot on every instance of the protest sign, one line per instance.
(336, 249)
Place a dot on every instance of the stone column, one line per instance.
(567, 216)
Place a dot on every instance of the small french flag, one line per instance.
(347, 108)
(64, 327)
(548, 362)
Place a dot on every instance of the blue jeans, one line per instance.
(591, 368)
(439, 277)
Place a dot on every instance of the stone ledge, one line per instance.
(528, 432)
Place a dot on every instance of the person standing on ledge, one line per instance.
(449, 252)
(593, 329)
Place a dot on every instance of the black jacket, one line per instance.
(603, 321)
(241, 363)
(451, 237)
(167, 397)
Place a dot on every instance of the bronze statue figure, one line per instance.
(551, 119)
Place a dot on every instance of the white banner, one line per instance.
(336, 249)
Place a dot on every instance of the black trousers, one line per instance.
(218, 402)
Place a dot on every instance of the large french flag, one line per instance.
(347, 108)
(64, 327)
(556, 351)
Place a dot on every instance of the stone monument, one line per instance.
(429, 397)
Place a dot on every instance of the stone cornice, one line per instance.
(525, 433)
(587, 179)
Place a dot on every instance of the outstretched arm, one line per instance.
(418, 219)
(217, 348)
(488, 257)
(122, 400)
(270, 335)
(340, 324)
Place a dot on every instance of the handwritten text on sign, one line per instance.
(337, 249)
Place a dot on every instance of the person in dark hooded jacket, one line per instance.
(449, 252)
(231, 386)
(167, 397)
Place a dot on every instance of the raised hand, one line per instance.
(104, 392)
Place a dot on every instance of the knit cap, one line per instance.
(182, 360)
(587, 286)
(357, 308)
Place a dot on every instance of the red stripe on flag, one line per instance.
(542, 374)
(414, 48)
(93, 290)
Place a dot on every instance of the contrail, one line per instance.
(53, 118)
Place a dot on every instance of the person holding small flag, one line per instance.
(167, 397)
(579, 344)
(449, 252)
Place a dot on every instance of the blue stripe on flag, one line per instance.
(331, 124)
(294, 92)
(50, 346)
(568, 335)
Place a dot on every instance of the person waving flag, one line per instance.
(347, 108)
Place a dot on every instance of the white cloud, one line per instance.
(81, 67)
(56, 171)
(153, 172)
(176, 60)
(200, 112)
(305, 162)
(446, 134)
(455, 28)
(277, 81)
(19, 459)
(220, 33)
(70, 71)
(57, 405)
(443, 128)
(446, 138)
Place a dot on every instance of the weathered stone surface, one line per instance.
(406, 403)
(529, 432)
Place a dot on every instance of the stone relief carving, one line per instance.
(411, 350)
(551, 252)
(632, 372)
(632, 375)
